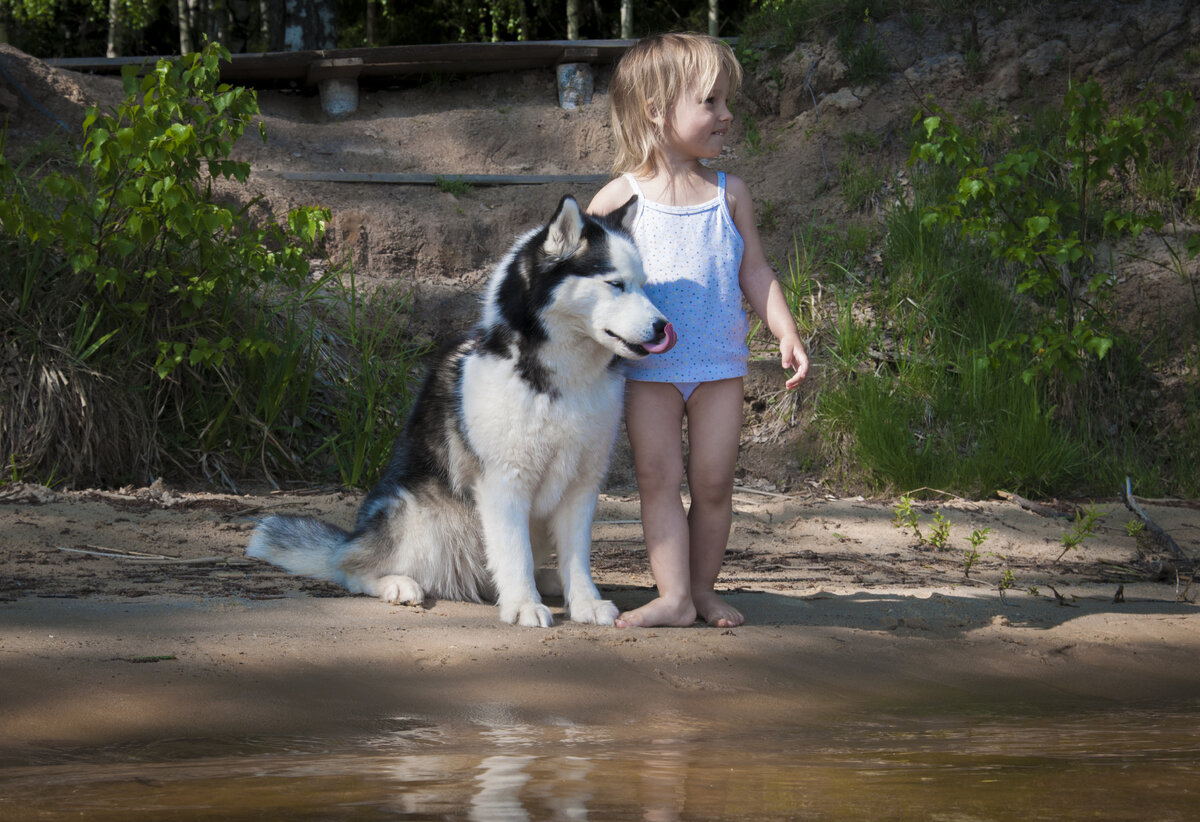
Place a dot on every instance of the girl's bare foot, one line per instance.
(659, 612)
(716, 611)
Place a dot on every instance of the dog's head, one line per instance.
(580, 276)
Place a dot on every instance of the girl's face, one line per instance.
(698, 122)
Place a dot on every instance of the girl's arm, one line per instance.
(615, 194)
(761, 287)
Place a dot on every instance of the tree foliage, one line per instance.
(67, 28)
(143, 223)
(1043, 209)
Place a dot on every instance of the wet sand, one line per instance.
(93, 672)
(91, 655)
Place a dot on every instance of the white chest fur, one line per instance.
(539, 442)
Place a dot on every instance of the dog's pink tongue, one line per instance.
(665, 344)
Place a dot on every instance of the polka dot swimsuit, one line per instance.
(692, 255)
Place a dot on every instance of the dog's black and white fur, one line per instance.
(501, 462)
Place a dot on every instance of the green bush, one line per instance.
(156, 326)
(1043, 207)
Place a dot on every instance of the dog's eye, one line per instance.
(617, 284)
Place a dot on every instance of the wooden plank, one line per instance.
(580, 55)
(275, 67)
(433, 179)
(103, 65)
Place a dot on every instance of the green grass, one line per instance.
(912, 396)
(862, 183)
(372, 394)
(456, 186)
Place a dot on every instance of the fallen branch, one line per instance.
(1160, 536)
(1033, 507)
(138, 556)
(1061, 599)
(742, 489)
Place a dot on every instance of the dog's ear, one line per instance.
(564, 235)
(623, 216)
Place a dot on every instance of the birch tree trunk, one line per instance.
(185, 27)
(572, 19)
(114, 29)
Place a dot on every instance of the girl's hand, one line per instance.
(794, 358)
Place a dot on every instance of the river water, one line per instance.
(1099, 762)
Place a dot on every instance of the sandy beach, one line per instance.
(134, 615)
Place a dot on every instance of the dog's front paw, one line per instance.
(529, 613)
(399, 590)
(594, 611)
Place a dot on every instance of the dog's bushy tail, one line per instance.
(300, 545)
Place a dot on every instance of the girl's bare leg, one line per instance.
(654, 419)
(714, 415)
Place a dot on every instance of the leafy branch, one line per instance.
(1041, 209)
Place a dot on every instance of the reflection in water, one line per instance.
(664, 784)
(1132, 765)
(498, 795)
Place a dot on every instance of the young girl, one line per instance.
(696, 231)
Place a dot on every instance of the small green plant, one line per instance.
(866, 61)
(752, 136)
(768, 220)
(1083, 527)
(969, 560)
(452, 185)
(861, 182)
(905, 516)
(978, 537)
(973, 61)
(975, 540)
(939, 535)
(1008, 581)
(860, 142)
(1137, 529)
(143, 225)
(799, 281)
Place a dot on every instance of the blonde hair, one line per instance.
(651, 77)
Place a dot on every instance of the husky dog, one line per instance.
(501, 461)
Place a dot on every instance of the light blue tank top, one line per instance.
(692, 255)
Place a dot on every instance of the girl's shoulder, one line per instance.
(735, 186)
(615, 193)
(737, 194)
(737, 198)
